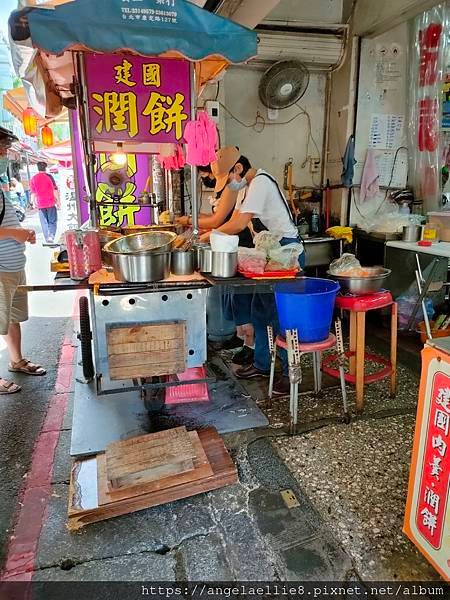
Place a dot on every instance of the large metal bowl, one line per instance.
(139, 266)
(363, 285)
(147, 242)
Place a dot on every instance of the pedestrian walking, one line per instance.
(45, 197)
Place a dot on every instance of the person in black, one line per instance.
(225, 202)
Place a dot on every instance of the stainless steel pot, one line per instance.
(411, 233)
(363, 285)
(149, 241)
(182, 263)
(140, 268)
(224, 264)
(203, 258)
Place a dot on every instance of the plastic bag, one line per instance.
(265, 241)
(406, 303)
(284, 258)
(251, 260)
(347, 265)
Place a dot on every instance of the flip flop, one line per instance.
(8, 387)
(27, 367)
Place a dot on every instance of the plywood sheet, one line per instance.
(201, 469)
(224, 473)
(149, 457)
(146, 350)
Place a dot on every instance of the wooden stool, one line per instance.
(358, 306)
(295, 350)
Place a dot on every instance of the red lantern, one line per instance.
(47, 136)
(29, 122)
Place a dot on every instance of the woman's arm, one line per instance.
(226, 204)
(238, 222)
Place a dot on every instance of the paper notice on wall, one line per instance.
(386, 131)
(51, 4)
(388, 66)
(390, 175)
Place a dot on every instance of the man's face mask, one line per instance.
(237, 182)
(209, 182)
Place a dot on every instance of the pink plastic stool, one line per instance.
(358, 306)
(295, 350)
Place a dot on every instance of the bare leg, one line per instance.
(248, 334)
(13, 340)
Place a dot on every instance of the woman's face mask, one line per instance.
(235, 185)
(209, 182)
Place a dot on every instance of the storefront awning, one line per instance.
(174, 28)
(145, 27)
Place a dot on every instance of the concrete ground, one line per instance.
(349, 482)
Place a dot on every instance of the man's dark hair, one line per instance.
(246, 165)
(42, 166)
(204, 168)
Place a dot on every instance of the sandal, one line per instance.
(8, 387)
(27, 367)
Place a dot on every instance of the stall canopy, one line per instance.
(174, 28)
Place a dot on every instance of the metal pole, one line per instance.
(194, 199)
(86, 136)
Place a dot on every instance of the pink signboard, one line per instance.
(137, 99)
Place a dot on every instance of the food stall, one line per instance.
(134, 82)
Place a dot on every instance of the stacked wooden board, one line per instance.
(139, 351)
(147, 471)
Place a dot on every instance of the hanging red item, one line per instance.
(429, 40)
(29, 121)
(428, 124)
(47, 136)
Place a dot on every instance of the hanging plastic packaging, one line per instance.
(426, 78)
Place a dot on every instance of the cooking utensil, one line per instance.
(411, 233)
(224, 264)
(149, 241)
(363, 285)
(139, 267)
(203, 260)
(182, 263)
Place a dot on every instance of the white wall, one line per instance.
(375, 99)
(272, 148)
(373, 17)
(325, 11)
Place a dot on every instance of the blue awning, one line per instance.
(147, 27)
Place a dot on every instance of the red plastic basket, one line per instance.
(270, 274)
(191, 392)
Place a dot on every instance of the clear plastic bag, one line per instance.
(284, 258)
(347, 265)
(266, 241)
(251, 260)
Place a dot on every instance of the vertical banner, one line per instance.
(427, 518)
(427, 62)
(69, 209)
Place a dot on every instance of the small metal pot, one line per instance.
(224, 264)
(203, 258)
(182, 263)
(411, 233)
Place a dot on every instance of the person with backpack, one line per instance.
(45, 197)
(13, 300)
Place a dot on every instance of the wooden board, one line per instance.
(105, 277)
(201, 469)
(146, 350)
(82, 513)
(149, 457)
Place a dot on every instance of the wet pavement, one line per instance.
(349, 482)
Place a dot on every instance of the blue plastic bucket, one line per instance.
(307, 305)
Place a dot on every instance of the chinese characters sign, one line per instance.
(137, 99)
(427, 518)
(436, 464)
(164, 12)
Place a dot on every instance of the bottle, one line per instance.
(315, 221)
(404, 209)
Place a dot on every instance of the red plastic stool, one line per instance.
(358, 306)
